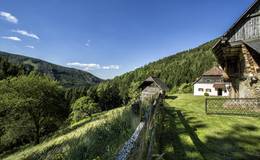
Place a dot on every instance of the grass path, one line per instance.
(189, 133)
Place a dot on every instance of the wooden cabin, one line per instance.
(215, 82)
(152, 87)
(238, 53)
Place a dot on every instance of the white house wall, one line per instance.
(214, 92)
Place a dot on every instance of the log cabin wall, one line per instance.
(251, 60)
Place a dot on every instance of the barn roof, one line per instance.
(242, 19)
(155, 80)
(240, 22)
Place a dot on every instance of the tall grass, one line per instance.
(99, 139)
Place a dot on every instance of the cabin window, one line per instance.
(208, 90)
(201, 89)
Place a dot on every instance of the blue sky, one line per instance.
(111, 37)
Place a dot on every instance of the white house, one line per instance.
(214, 82)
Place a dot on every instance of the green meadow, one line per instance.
(189, 133)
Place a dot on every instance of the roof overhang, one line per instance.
(255, 45)
(219, 85)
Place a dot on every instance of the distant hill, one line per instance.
(68, 77)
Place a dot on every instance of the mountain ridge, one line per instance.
(68, 77)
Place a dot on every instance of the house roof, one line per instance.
(215, 71)
(155, 80)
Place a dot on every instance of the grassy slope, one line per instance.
(80, 140)
(191, 134)
(68, 77)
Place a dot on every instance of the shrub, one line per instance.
(206, 94)
(174, 90)
(82, 107)
(185, 88)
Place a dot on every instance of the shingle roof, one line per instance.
(215, 71)
(155, 80)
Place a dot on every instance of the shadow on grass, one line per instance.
(171, 97)
(191, 131)
(170, 142)
(236, 143)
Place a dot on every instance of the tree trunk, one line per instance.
(37, 133)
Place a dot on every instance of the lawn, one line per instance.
(98, 138)
(188, 133)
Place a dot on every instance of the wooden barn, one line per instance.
(238, 53)
(152, 87)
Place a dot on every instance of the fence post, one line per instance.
(206, 105)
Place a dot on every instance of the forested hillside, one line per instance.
(68, 77)
(175, 70)
(183, 67)
(9, 70)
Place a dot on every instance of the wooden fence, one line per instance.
(140, 145)
(233, 106)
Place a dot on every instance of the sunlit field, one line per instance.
(191, 134)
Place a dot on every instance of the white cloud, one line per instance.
(83, 66)
(88, 43)
(91, 66)
(29, 46)
(11, 38)
(8, 17)
(25, 33)
(111, 67)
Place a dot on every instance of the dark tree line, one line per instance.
(10, 70)
(31, 106)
